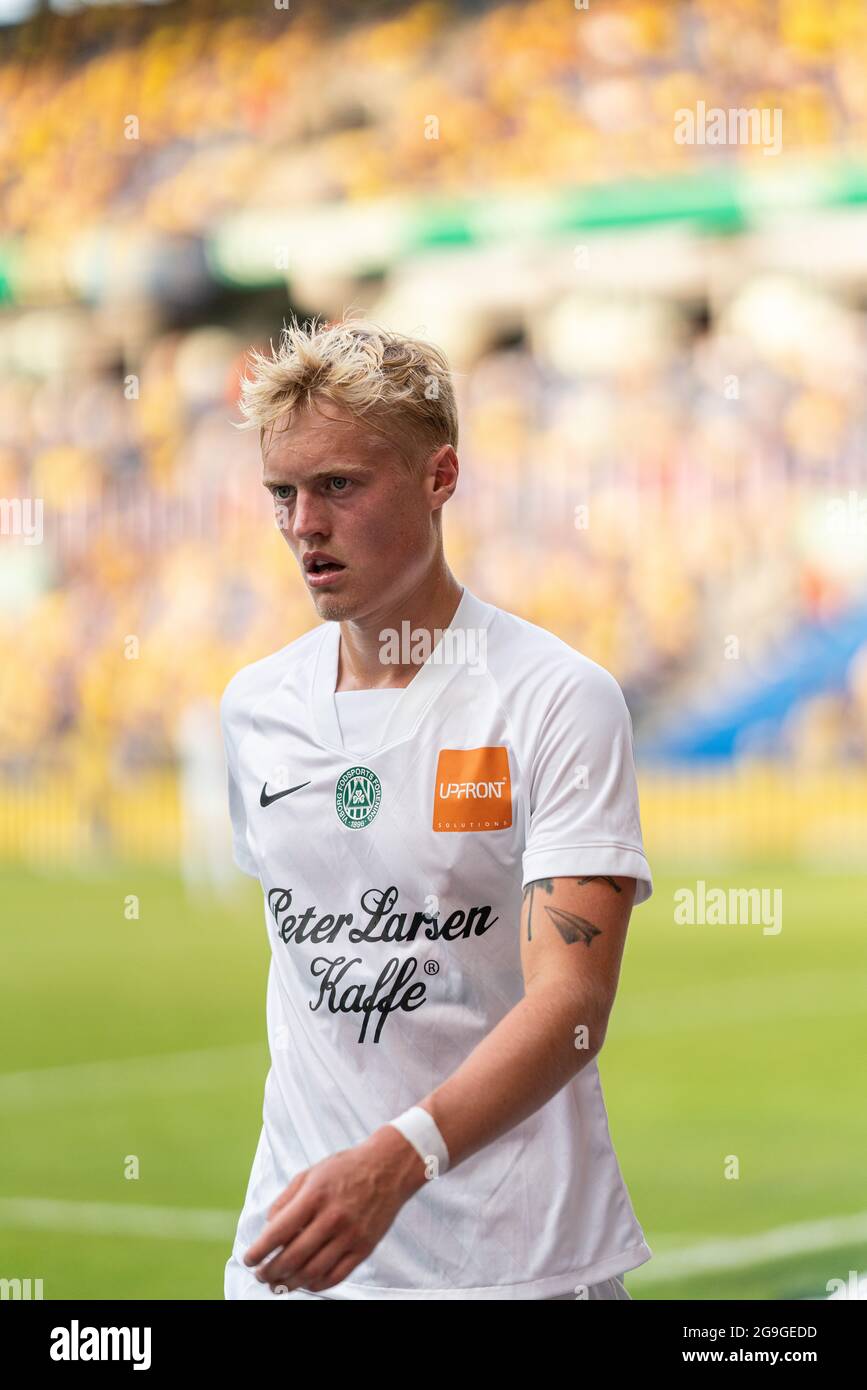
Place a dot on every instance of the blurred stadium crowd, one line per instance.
(710, 464)
(161, 571)
(242, 107)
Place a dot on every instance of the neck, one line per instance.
(429, 606)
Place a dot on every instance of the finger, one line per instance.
(304, 1275)
(287, 1194)
(285, 1226)
(339, 1272)
(284, 1267)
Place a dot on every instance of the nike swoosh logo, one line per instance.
(265, 799)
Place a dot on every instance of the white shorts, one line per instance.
(240, 1282)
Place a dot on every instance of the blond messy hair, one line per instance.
(395, 384)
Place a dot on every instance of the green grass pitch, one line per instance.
(723, 1041)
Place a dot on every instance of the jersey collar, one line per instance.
(471, 616)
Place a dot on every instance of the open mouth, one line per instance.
(326, 572)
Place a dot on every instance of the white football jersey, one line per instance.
(392, 885)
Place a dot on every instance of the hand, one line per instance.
(334, 1214)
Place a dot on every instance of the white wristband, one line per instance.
(422, 1131)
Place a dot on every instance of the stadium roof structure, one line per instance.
(253, 249)
(246, 247)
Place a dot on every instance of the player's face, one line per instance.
(341, 489)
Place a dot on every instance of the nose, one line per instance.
(309, 518)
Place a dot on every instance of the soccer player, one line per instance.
(439, 801)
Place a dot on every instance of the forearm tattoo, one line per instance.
(571, 927)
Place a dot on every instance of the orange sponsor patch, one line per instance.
(473, 790)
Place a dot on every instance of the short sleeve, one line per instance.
(240, 849)
(583, 791)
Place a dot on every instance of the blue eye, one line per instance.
(282, 491)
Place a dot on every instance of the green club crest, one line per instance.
(357, 797)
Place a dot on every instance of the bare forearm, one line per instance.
(521, 1064)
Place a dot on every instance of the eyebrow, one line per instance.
(334, 471)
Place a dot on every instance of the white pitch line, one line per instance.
(738, 1252)
(162, 1070)
(113, 1219)
(179, 1223)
